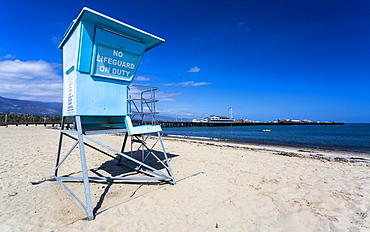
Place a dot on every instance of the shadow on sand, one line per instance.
(127, 168)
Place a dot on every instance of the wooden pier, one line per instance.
(213, 124)
(188, 124)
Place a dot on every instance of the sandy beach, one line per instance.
(220, 187)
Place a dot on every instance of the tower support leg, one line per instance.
(59, 147)
(82, 139)
(89, 210)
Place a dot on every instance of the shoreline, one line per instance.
(351, 138)
(329, 154)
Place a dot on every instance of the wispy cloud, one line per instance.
(178, 113)
(159, 95)
(142, 78)
(56, 39)
(8, 57)
(194, 69)
(188, 83)
(163, 96)
(167, 97)
(31, 80)
(241, 27)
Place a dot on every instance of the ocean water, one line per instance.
(350, 136)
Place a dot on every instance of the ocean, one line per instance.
(350, 136)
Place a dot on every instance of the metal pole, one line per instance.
(59, 147)
(169, 169)
(123, 148)
(89, 210)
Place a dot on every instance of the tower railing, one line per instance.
(141, 102)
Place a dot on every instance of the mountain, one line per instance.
(30, 107)
(49, 108)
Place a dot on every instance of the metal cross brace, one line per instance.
(80, 136)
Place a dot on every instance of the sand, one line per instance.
(220, 187)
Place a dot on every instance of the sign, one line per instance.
(71, 96)
(115, 63)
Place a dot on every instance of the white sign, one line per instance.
(115, 63)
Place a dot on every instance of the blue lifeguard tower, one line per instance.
(100, 58)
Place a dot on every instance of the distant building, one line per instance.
(248, 120)
(215, 119)
(294, 121)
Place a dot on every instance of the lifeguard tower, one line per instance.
(100, 58)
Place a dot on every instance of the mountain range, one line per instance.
(30, 107)
(44, 108)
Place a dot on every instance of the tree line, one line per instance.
(20, 117)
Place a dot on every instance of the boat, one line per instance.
(266, 130)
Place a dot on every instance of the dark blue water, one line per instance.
(351, 136)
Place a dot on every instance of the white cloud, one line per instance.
(31, 80)
(189, 83)
(202, 83)
(142, 78)
(194, 69)
(167, 99)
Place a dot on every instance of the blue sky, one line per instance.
(266, 59)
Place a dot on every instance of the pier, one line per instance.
(213, 124)
(188, 124)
